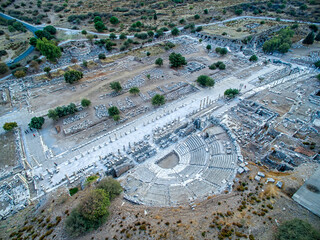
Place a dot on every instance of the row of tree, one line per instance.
(62, 111)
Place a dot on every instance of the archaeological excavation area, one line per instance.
(197, 145)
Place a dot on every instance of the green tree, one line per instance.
(52, 113)
(297, 229)
(150, 33)
(77, 224)
(114, 20)
(177, 60)
(253, 58)
(8, 126)
(116, 118)
(281, 37)
(205, 11)
(231, 92)
(284, 47)
(99, 26)
(33, 41)
(158, 100)
(175, 31)
(205, 81)
(317, 64)
(155, 17)
(47, 70)
(218, 50)
(134, 90)
(113, 111)
(196, 17)
(72, 76)
(318, 77)
(43, 34)
(102, 56)
(50, 29)
(209, 47)
(116, 86)
(36, 122)
(48, 49)
(238, 11)
(309, 39)
(159, 62)
(123, 36)
(97, 19)
(159, 33)
(112, 36)
(84, 32)
(223, 51)
(85, 102)
(3, 68)
(94, 205)
(314, 27)
(110, 186)
(222, 66)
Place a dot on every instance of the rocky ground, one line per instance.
(251, 208)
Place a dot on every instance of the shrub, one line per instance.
(317, 64)
(238, 11)
(297, 229)
(158, 100)
(116, 118)
(222, 66)
(175, 31)
(159, 62)
(113, 111)
(110, 186)
(72, 76)
(85, 102)
(116, 86)
(3, 68)
(134, 90)
(102, 56)
(253, 58)
(84, 32)
(8, 126)
(199, 29)
(73, 191)
(122, 36)
(20, 74)
(205, 81)
(196, 17)
(231, 92)
(212, 67)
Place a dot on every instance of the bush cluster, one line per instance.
(93, 208)
(281, 42)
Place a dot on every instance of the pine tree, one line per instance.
(309, 39)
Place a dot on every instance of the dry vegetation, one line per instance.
(250, 209)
